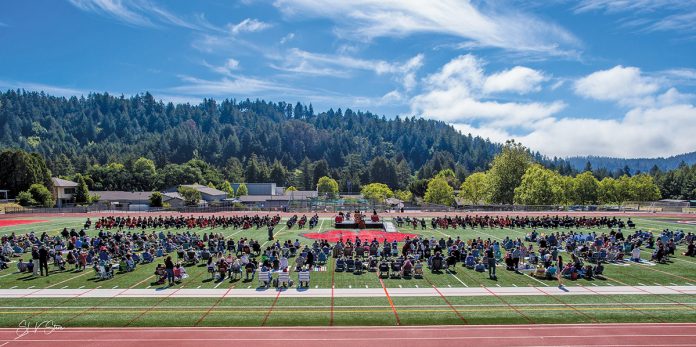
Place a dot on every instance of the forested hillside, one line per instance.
(612, 165)
(103, 135)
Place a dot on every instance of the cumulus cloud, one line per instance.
(658, 119)
(642, 132)
(460, 92)
(625, 85)
(520, 79)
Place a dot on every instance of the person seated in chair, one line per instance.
(418, 268)
(406, 268)
(551, 272)
(598, 269)
(588, 272)
(635, 254)
(480, 267)
(470, 261)
(383, 268)
(250, 269)
(690, 249)
(24, 267)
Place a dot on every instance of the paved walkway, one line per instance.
(345, 292)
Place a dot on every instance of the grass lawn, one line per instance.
(352, 311)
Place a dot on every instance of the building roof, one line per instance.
(123, 196)
(173, 195)
(205, 189)
(300, 194)
(59, 182)
(260, 198)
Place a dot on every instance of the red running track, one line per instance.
(482, 335)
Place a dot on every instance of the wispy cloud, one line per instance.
(232, 86)
(647, 15)
(143, 13)
(248, 25)
(482, 23)
(341, 65)
(3, 24)
(40, 87)
(287, 38)
(225, 69)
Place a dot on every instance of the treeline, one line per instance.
(514, 177)
(116, 142)
(616, 167)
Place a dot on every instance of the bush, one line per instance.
(41, 195)
(156, 199)
(25, 199)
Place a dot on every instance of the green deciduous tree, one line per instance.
(41, 195)
(144, 174)
(507, 170)
(327, 186)
(191, 195)
(475, 188)
(539, 186)
(376, 192)
(403, 195)
(25, 199)
(19, 170)
(585, 189)
(642, 187)
(439, 192)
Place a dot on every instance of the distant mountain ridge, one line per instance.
(635, 164)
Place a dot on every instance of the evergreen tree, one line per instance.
(81, 192)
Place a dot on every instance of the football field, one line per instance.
(628, 292)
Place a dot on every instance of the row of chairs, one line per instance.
(266, 279)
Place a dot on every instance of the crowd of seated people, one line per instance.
(180, 222)
(545, 222)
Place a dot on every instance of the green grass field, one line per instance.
(352, 311)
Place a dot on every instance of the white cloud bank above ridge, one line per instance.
(659, 121)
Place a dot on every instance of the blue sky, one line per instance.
(589, 77)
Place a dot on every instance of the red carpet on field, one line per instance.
(13, 222)
(369, 235)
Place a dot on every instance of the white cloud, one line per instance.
(142, 13)
(41, 87)
(225, 69)
(115, 8)
(519, 79)
(458, 92)
(234, 86)
(625, 85)
(480, 22)
(248, 25)
(648, 15)
(642, 132)
(338, 65)
(287, 38)
(658, 122)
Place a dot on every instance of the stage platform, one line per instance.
(352, 225)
